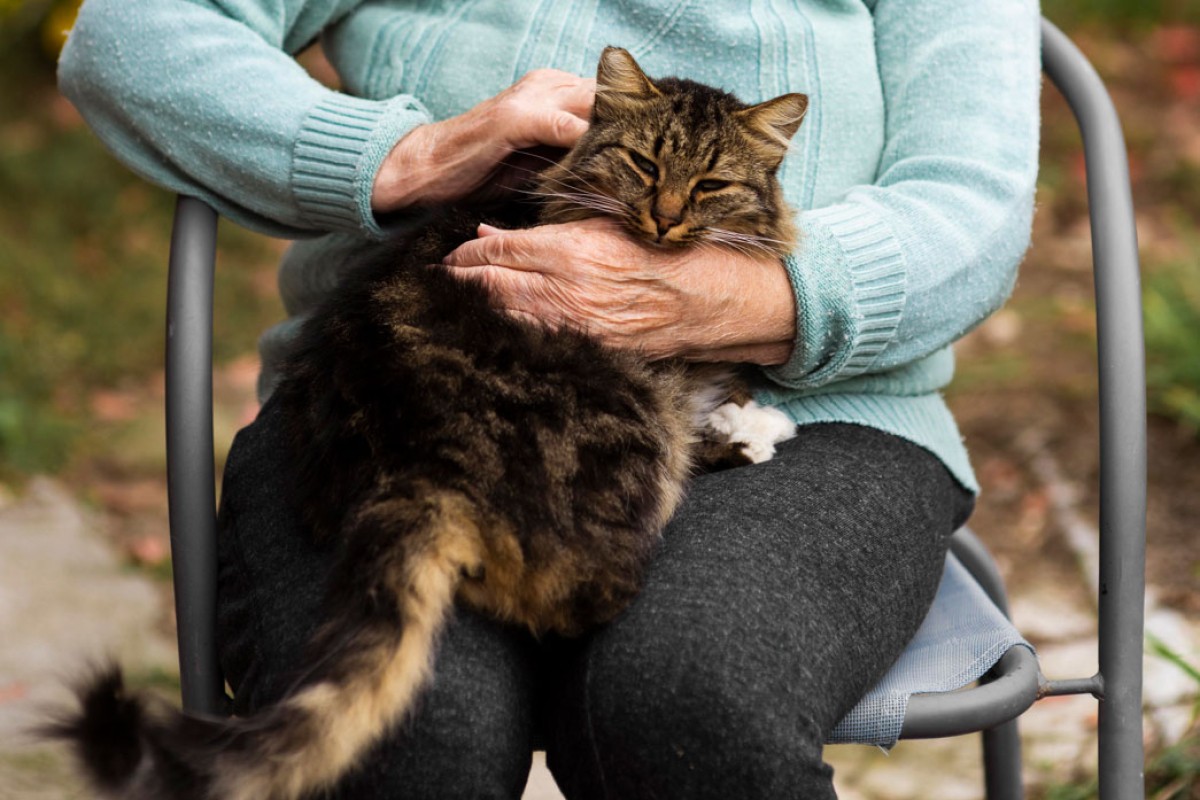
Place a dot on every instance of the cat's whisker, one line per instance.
(746, 248)
(601, 203)
(559, 164)
(594, 206)
(536, 175)
(571, 174)
(551, 162)
(755, 242)
(533, 173)
(541, 174)
(723, 247)
(546, 179)
(589, 196)
(587, 186)
(724, 234)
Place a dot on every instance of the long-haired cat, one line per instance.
(448, 452)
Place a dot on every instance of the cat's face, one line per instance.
(678, 162)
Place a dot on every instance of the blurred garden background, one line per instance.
(83, 246)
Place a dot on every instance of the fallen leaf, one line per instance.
(149, 550)
(1185, 82)
(1176, 44)
(109, 405)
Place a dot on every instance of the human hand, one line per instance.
(450, 159)
(704, 304)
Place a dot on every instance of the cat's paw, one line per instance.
(757, 428)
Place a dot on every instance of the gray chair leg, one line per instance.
(1001, 744)
(1002, 762)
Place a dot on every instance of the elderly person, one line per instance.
(781, 591)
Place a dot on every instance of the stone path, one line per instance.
(66, 597)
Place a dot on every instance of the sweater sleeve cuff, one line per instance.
(849, 278)
(342, 143)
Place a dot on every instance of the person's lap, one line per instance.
(470, 733)
(780, 594)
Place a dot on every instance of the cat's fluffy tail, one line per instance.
(133, 747)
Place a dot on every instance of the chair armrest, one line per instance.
(1014, 688)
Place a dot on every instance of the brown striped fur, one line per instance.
(449, 452)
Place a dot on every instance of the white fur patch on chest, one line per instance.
(760, 428)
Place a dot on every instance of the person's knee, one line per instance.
(485, 756)
(469, 733)
(659, 725)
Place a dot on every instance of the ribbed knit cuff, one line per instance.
(342, 143)
(849, 277)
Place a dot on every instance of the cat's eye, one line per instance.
(644, 164)
(710, 185)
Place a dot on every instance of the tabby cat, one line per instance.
(448, 452)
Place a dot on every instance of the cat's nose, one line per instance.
(665, 223)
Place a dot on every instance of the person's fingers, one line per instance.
(569, 91)
(548, 107)
(580, 97)
(559, 128)
(517, 250)
(499, 281)
(509, 290)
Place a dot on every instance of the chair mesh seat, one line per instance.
(962, 637)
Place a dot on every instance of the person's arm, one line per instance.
(899, 269)
(893, 272)
(204, 98)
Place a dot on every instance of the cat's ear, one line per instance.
(620, 81)
(774, 122)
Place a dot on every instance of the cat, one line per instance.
(447, 452)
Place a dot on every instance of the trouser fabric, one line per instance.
(780, 593)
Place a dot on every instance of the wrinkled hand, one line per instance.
(450, 159)
(698, 303)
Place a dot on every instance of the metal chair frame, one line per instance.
(1013, 685)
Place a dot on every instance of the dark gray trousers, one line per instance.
(780, 594)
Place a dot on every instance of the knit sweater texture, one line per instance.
(913, 173)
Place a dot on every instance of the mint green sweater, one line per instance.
(914, 169)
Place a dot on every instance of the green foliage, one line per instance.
(1171, 302)
(1172, 773)
(1121, 12)
(154, 678)
(1072, 791)
(83, 245)
(24, 20)
(1175, 773)
(1182, 184)
(1161, 649)
(13, 12)
(161, 571)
